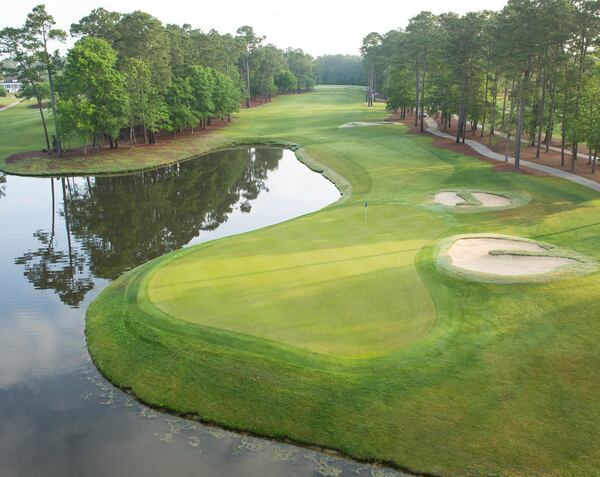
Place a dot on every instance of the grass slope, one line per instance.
(341, 332)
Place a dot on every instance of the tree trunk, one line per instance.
(541, 115)
(53, 103)
(550, 128)
(494, 102)
(485, 101)
(371, 87)
(459, 124)
(66, 210)
(41, 108)
(563, 141)
(510, 119)
(521, 114)
(416, 91)
(423, 89)
(247, 80)
(504, 104)
(53, 203)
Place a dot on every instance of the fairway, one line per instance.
(339, 329)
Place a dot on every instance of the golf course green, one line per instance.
(338, 329)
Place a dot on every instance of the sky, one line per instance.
(317, 26)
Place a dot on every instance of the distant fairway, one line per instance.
(337, 329)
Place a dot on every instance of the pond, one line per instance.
(62, 240)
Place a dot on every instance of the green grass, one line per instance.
(8, 99)
(341, 332)
(21, 131)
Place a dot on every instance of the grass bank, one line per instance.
(337, 329)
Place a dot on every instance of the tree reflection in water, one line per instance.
(115, 223)
(2, 185)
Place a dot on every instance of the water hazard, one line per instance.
(62, 240)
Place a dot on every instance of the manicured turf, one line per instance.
(20, 130)
(336, 330)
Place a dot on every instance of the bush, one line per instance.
(3, 92)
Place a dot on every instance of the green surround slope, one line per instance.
(338, 330)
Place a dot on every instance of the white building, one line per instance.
(12, 85)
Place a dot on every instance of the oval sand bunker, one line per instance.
(504, 257)
(482, 199)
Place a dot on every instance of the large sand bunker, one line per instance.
(359, 124)
(510, 258)
(468, 199)
(498, 258)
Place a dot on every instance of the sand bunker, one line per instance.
(491, 200)
(471, 199)
(358, 124)
(504, 257)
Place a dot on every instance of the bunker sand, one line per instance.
(358, 124)
(504, 257)
(486, 199)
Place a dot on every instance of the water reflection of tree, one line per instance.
(127, 220)
(2, 185)
(120, 222)
(47, 268)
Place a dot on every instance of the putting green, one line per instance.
(339, 330)
(354, 295)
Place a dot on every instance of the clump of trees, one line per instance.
(530, 71)
(341, 69)
(129, 77)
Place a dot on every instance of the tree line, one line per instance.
(341, 69)
(129, 77)
(530, 71)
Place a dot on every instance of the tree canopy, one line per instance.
(130, 76)
(527, 70)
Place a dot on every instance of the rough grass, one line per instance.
(340, 331)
